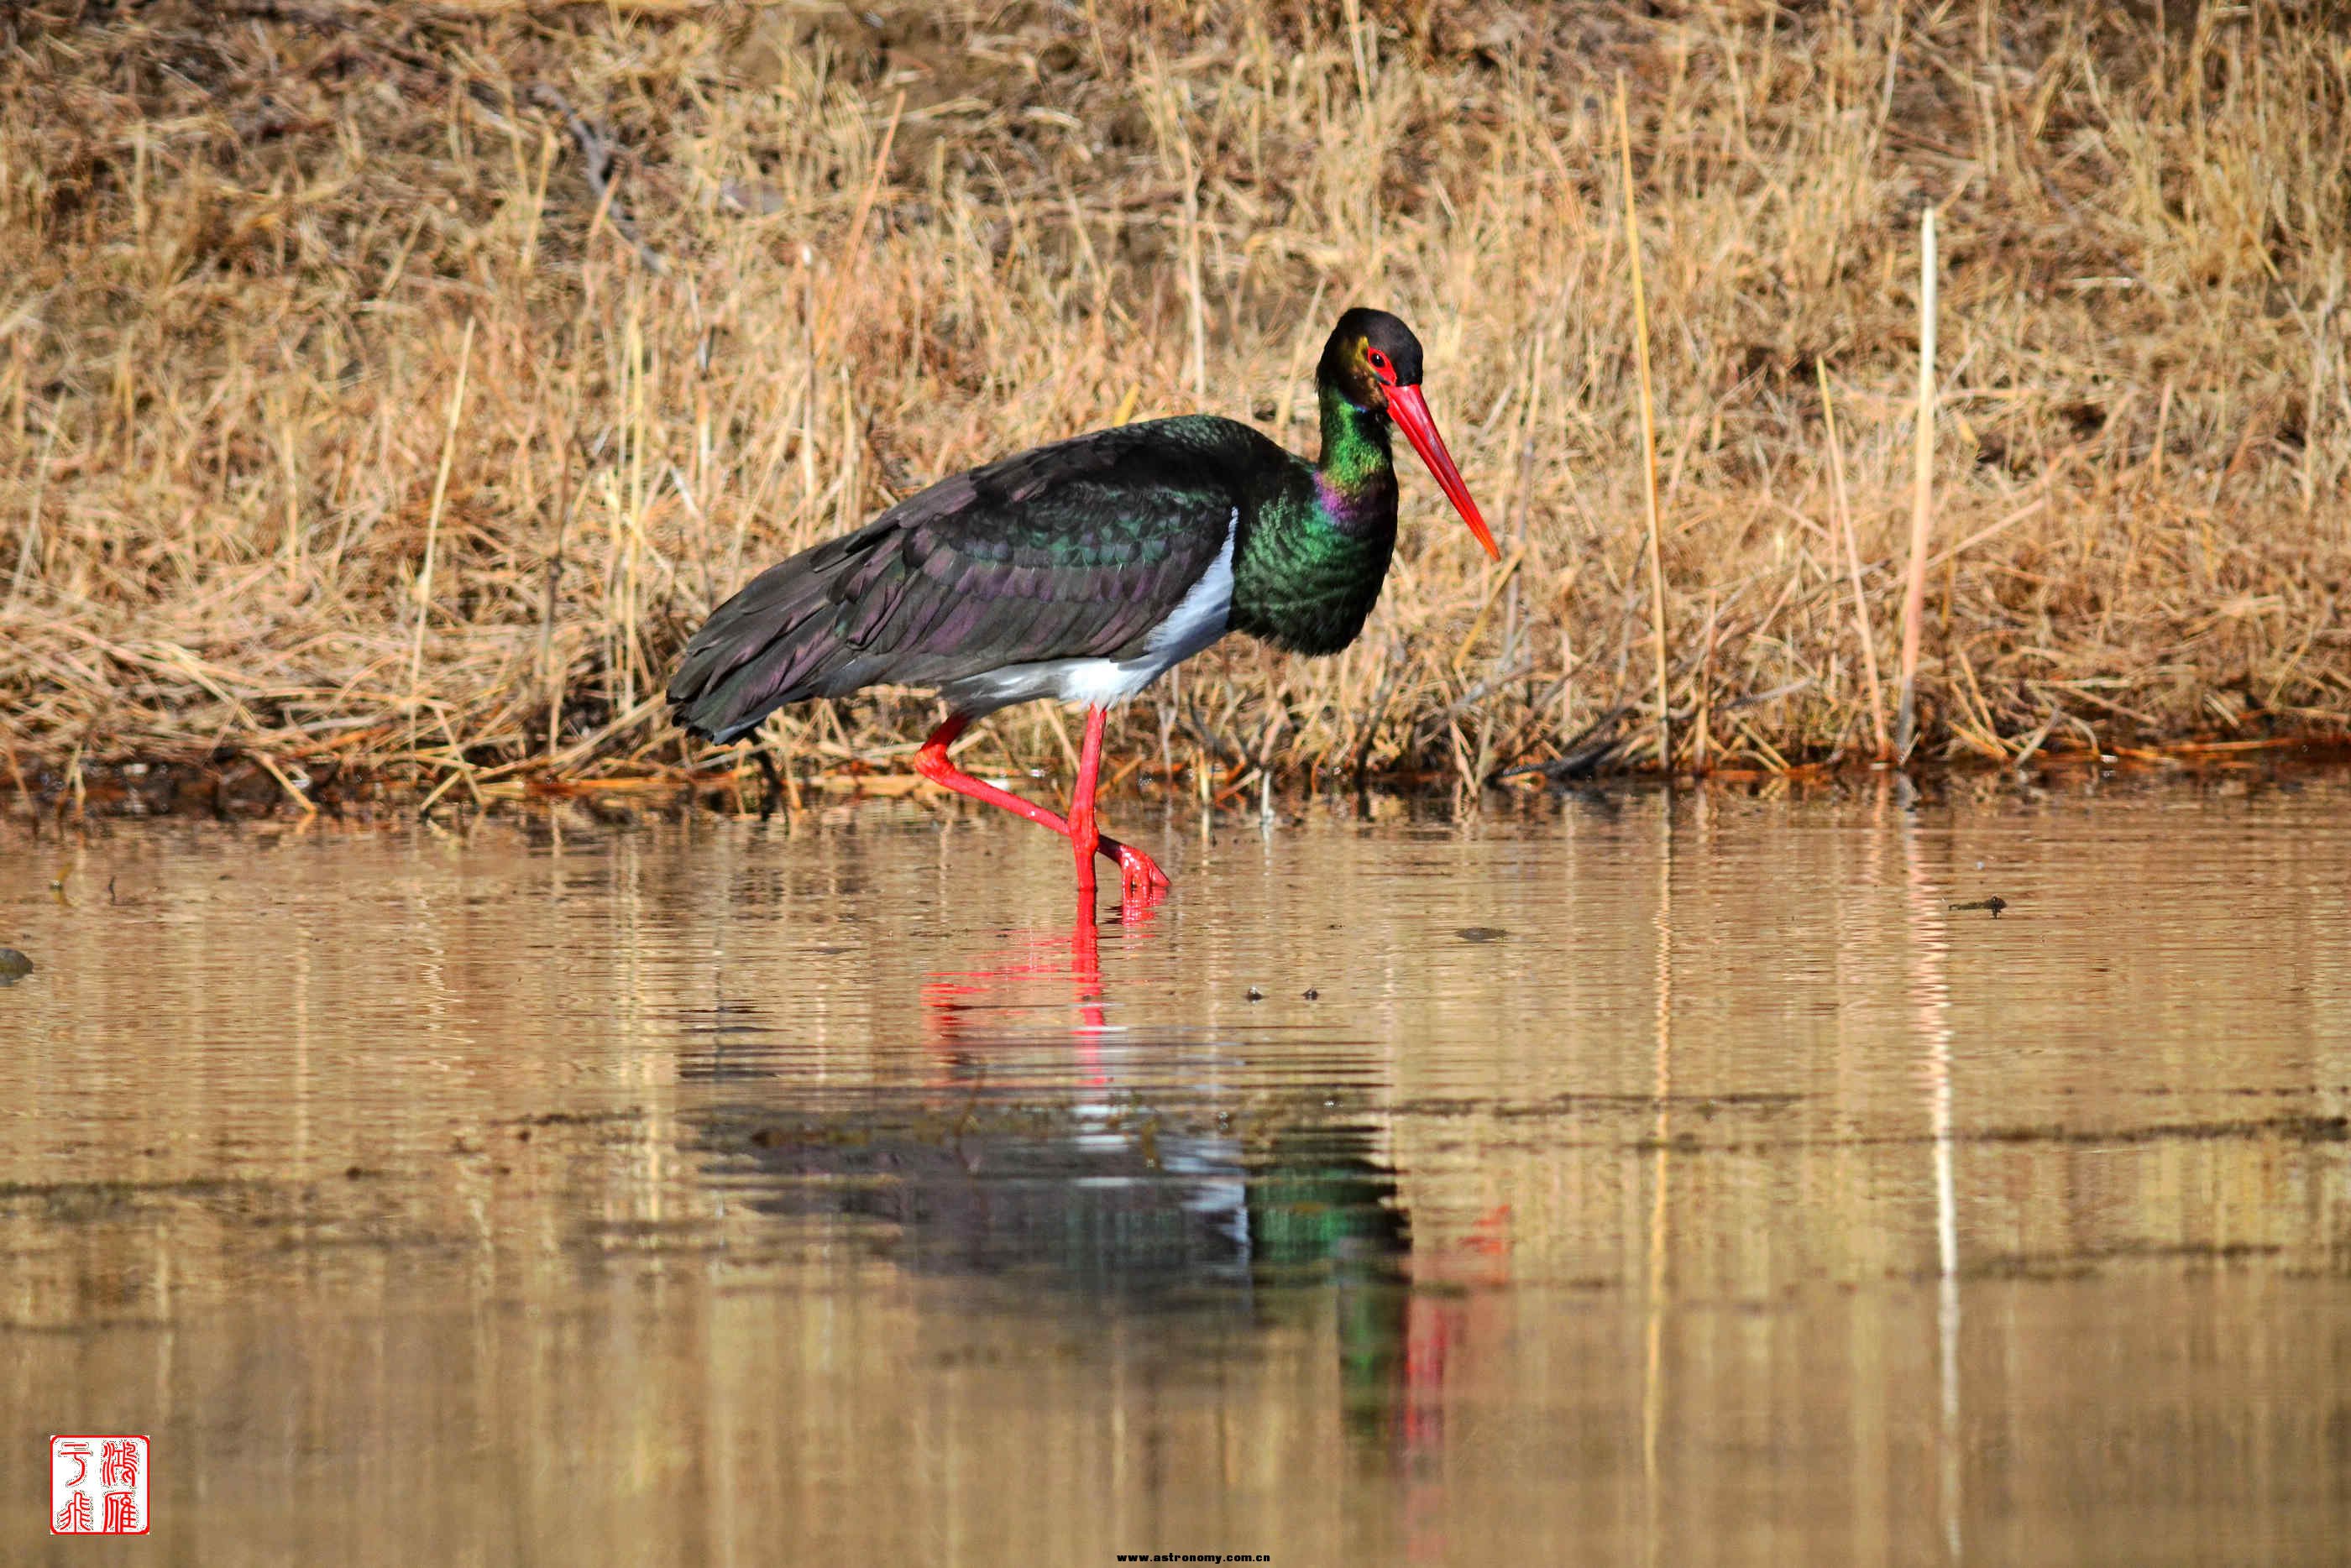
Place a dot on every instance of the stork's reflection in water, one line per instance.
(1095, 1174)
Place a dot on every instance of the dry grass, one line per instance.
(250, 254)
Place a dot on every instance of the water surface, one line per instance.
(1641, 1180)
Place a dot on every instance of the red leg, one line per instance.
(1138, 877)
(1085, 837)
(932, 763)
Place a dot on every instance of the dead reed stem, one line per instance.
(1922, 495)
(433, 533)
(846, 266)
(1648, 441)
(1861, 627)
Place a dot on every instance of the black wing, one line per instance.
(1071, 551)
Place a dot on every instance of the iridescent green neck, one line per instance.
(1311, 555)
(1355, 480)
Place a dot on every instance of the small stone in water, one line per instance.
(1482, 933)
(14, 966)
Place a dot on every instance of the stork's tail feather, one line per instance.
(775, 642)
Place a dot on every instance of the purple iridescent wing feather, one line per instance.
(1072, 551)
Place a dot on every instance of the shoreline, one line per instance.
(252, 786)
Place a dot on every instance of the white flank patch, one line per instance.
(1194, 623)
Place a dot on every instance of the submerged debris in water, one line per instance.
(1995, 904)
(14, 966)
(1482, 933)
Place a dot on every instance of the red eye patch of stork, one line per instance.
(1382, 366)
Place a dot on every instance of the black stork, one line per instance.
(1084, 570)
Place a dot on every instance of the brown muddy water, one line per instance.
(1608, 1180)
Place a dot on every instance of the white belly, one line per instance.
(1194, 623)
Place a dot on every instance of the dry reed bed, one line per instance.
(396, 385)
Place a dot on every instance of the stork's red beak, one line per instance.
(1410, 411)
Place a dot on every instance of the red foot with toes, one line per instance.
(1139, 876)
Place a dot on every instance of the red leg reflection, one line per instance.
(954, 999)
(1085, 972)
(1441, 1330)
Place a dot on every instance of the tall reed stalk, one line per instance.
(1922, 495)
